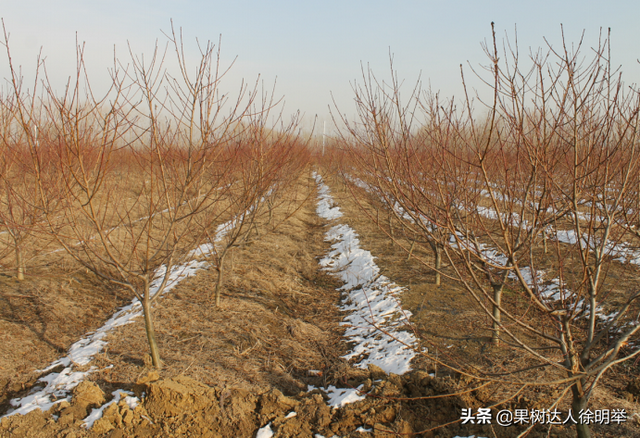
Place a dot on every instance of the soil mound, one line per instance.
(182, 406)
(416, 404)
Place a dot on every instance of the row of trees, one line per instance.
(536, 192)
(131, 182)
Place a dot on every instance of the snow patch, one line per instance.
(265, 432)
(96, 413)
(376, 323)
(326, 209)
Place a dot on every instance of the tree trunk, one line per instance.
(497, 297)
(270, 207)
(413, 243)
(151, 334)
(438, 252)
(579, 403)
(19, 263)
(218, 288)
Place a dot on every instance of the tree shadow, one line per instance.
(38, 324)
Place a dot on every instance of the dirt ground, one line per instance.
(449, 324)
(229, 371)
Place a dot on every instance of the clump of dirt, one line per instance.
(120, 420)
(181, 406)
(417, 404)
(86, 396)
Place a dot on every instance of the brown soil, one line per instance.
(229, 371)
(182, 406)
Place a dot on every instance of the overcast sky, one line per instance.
(314, 48)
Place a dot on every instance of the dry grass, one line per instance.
(457, 332)
(278, 321)
(43, 315)
(278, 318)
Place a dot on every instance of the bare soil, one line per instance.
(229, 371)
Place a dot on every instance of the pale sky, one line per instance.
(315, 49)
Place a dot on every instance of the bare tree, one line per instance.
(137, 166)
(552, 160)
(390, 156)
(270, 158)
(21, 212)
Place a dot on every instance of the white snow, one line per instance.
(265, 432)
(96, 413)
(325, 202)
(472, 436)
(375, 322)
(339, 397)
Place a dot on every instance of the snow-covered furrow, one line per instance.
(397, 208)
(56, 386)
(512, 218)
(552, 291)
(487, 212)
(498, 193)
(375, 323)
(483, 251)
(623, 252)
(549, 290)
